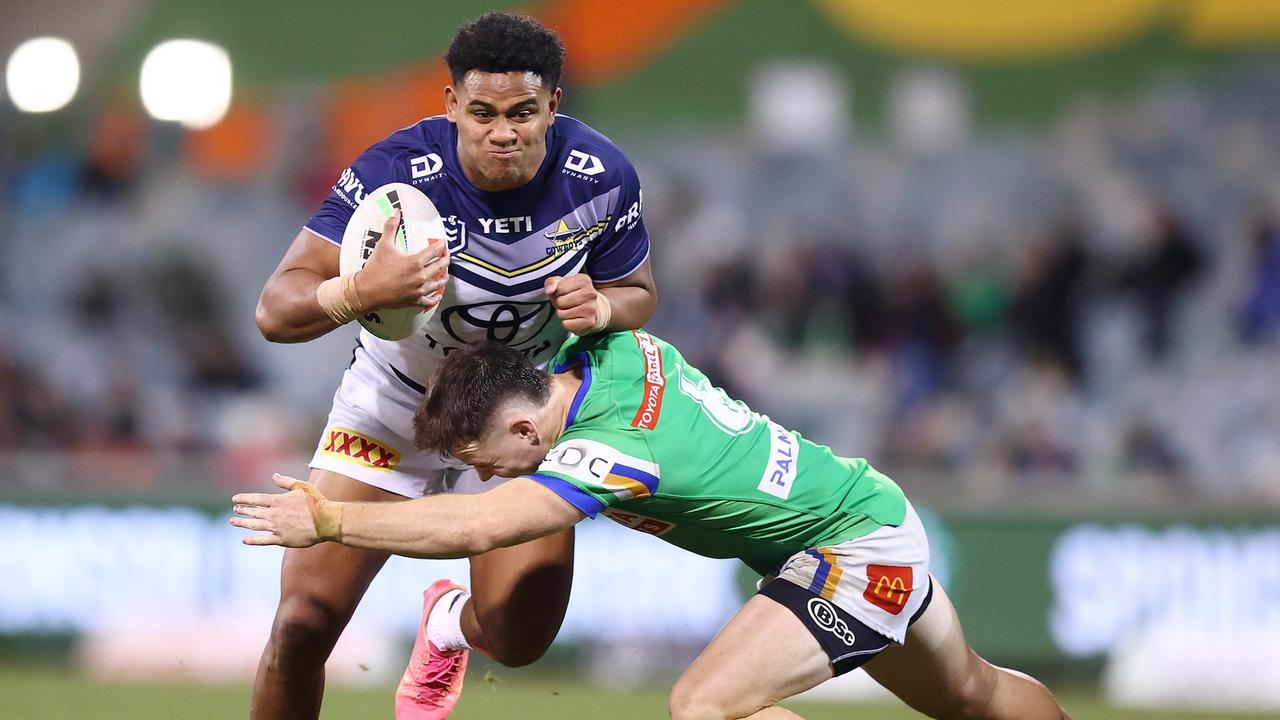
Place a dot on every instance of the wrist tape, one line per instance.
(604, 312)
(339, 299)
(327, 516)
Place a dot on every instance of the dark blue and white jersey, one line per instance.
(580, 213)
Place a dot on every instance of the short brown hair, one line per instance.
(470, 384)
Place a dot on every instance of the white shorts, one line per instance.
(369, 436)
(880, 578)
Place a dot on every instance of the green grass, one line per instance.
(32, 694)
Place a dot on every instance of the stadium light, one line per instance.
(42, 75)
(929, 111)
(789, 94)
(187, 81)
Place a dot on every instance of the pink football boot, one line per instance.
(433, 681)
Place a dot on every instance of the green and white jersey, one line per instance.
(652, 444)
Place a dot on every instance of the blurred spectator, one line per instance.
(191, 304)
(917, 329)
(1149, 455)
(1039, 423)
(32, 415)
(1261, 312)
(1159, 276)
(1045, 312)
(939, 313)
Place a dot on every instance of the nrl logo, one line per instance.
(455, 231)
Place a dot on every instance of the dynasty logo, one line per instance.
(888, 587)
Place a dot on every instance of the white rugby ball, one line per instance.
(420, 224)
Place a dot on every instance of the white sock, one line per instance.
(444, 624)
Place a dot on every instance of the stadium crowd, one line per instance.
(1085, 311)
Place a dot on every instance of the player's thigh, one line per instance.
(321, 585)
(528, 583)
(935, 670)
(764, 654)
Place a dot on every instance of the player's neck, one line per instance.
(564, 388)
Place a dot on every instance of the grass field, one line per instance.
(27, 694)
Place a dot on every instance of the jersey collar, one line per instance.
(578, 360)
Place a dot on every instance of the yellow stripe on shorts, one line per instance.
(833, 577)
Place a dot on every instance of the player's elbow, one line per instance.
(273, 320)
(492, 531)
(483, 537)
(270, 324)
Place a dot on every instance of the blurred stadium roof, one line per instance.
(682, 62)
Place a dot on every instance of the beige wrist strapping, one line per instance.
(327, 516)
(339, 299)
(604, 312)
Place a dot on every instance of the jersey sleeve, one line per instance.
(374, 168)
(591, 472)
(625, 246)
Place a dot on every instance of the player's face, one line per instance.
(502, 121)
(509, 450)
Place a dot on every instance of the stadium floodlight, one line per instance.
(187, 81)
(929, 111)
(788, 94)
(43, 74)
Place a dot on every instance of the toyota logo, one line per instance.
(506, 321)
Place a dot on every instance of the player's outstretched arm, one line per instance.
(289, 308)
(437, 526)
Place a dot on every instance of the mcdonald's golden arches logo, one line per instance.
(888, 587)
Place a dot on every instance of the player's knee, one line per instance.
(517, 651)
(690, 701)
(513, 641)
(306, 624)
(972, 697)
(687, 703)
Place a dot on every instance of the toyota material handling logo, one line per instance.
(655, 383)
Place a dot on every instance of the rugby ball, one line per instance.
(420, 224)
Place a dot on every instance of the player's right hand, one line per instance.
(393, 279)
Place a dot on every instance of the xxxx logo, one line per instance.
(888, 587)
(349, 444)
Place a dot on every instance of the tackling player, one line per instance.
(544, 236)
(627, 428)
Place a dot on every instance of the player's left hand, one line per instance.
(581, 308)
(299, 518)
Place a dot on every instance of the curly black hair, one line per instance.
(503, 42)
